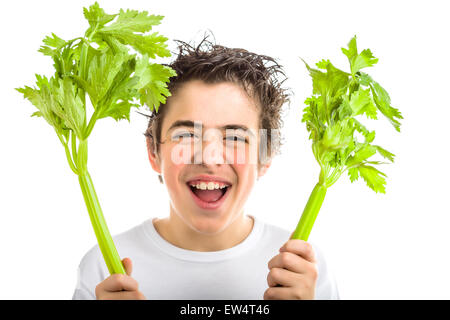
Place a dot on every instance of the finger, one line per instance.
(278, 293)
(119, 282)
(290, 261)
(128, 265)
(301, 248)
(283, 277)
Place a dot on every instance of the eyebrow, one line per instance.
(190, 123)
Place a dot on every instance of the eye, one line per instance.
(188, 134)
(184, 135)
(236, 138)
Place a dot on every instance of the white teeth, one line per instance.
(209, 186)
(212, 186)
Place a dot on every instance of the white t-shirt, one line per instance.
(164, 271)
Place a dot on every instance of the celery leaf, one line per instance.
(152, 85)
(97, 16)
(383, 103)
(373, 177)
(358, 61)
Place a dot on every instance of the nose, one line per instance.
(212, 148)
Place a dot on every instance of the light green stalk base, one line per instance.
(104, 238)
(310, 212)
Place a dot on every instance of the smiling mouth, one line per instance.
(209, 196)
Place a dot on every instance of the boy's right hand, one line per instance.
(119, 286)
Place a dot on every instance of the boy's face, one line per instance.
(187, 152)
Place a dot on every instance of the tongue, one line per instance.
(208, 195)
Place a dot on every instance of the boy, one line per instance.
(206, 145)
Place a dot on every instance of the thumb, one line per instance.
(128, 265)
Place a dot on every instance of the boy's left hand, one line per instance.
(293, 272)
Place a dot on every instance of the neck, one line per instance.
(174, 230)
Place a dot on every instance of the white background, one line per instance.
(391, 246)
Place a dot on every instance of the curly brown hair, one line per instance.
(212, 63)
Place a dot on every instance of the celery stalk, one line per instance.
(310, 212)
(104, 238)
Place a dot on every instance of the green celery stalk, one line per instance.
(104, 238)
(114, 80)
(310, 213)
(332, 115)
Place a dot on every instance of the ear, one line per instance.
(152, 157)
(263, 168)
